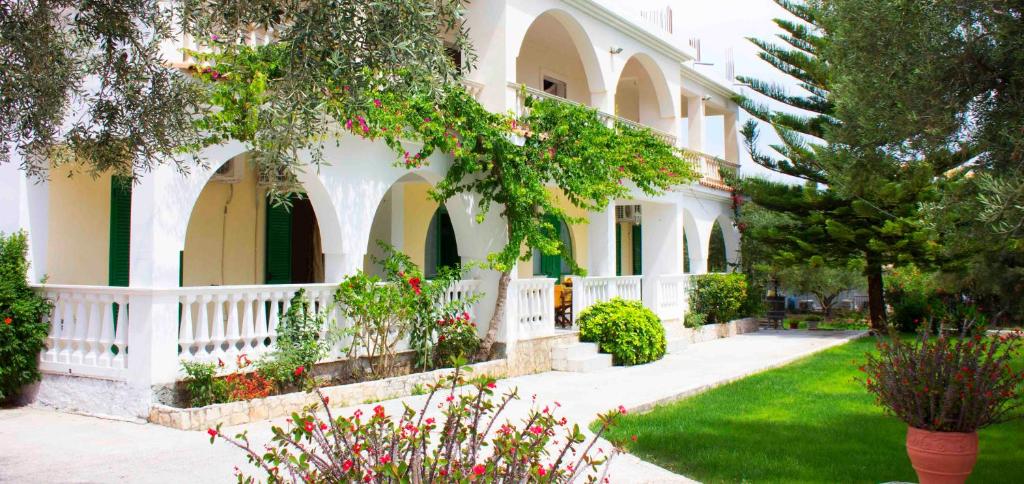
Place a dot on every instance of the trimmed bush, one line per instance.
(718, 297)
(693, 320)
(22, 332)
(626, 329)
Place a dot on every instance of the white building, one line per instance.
(175, 253)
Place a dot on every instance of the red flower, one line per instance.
(299, 370)
(633, 437)
(378, 411)
(309, 425)
(212, 432)
(377, 103)
(415, 284)
(8, 320)
(479, 469)
(323, 426)
(622, 409)
(385, 459)
(541, 471)
(345, 466)
(491, 384)
(537, 429)
(429, 421)
(327, 400)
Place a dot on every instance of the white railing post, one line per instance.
(153, 337)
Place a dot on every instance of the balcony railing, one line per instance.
(710, 168)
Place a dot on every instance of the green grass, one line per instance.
(807, 422)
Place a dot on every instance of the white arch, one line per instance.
(657, 77)
(581, 41)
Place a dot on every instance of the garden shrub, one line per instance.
(914, 299)
(22, 330)
(299, 341)
(202, 385)
(694, 319)
(629, 331)
(456, 338)
(718, 297)
(318, 446)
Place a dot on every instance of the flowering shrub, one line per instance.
(22, 330)
(205, 388)
(947, 384)
(456, 338)
(381, 315)
(465, 442)
(718, 296)
(629, 331)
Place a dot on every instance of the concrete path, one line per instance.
(40, 445)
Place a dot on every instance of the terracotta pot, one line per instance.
(942, 457)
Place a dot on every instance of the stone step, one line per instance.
(574, 351)
(596, 362)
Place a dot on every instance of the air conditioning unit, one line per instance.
(280, 180)
(229, 172)
(627, 213)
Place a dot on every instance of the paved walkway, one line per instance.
(40, 445)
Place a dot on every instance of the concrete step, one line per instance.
(676, 345)
(575, 351)
(596, 362)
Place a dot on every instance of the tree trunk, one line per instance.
(876, 294)
(497, 319)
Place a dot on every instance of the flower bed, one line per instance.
(241, 412)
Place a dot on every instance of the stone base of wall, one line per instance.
(529, 356)
(679, 336)
(236, 413)
(90, 396)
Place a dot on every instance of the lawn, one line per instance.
(807, 422)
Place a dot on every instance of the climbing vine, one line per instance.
(511, 163)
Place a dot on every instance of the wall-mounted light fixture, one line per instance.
(706, 97)
(615, 50)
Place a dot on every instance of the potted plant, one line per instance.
(794, 324)
(812, 322)
(945, 389)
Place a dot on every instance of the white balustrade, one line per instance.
(710, 168)
(673, 295)
(533, 307)
(464, 291)
(88, 331)
(222, 322)
(588, 291)
(473, 88)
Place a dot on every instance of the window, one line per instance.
(554, 87)
(454, 55)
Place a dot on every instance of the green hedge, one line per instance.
(22, 332)
(629, 331)
(718, 297)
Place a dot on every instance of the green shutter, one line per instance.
(120, 230)
(278, 266)
(551, 264)
(637, 251)
(618, 249)
(686, 255)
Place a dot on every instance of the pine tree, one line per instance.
(857, 202)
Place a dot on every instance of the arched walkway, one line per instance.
(556, 56)
(642, 94)
(236, 235)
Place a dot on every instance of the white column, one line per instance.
(662, 246)
(25, 203)
(699, 244)
(153, 314)
(397, 216)
(732, 134)
(602, 242)
(695, 121)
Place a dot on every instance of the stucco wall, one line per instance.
(77, 249)
(224, 242)
(419, 209)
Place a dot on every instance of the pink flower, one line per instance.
(537, 430)
(385, 459)
(377, 104)
(345, 466)
(491, 385)
(622, 409)
(479, 469)
(541, 471)
(212, 432)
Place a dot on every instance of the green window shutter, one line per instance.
(551, 265)
(618, 249)
(686, 255)
(637, 251)
(278, 265)
(120, 231)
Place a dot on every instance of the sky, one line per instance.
(723, 25)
